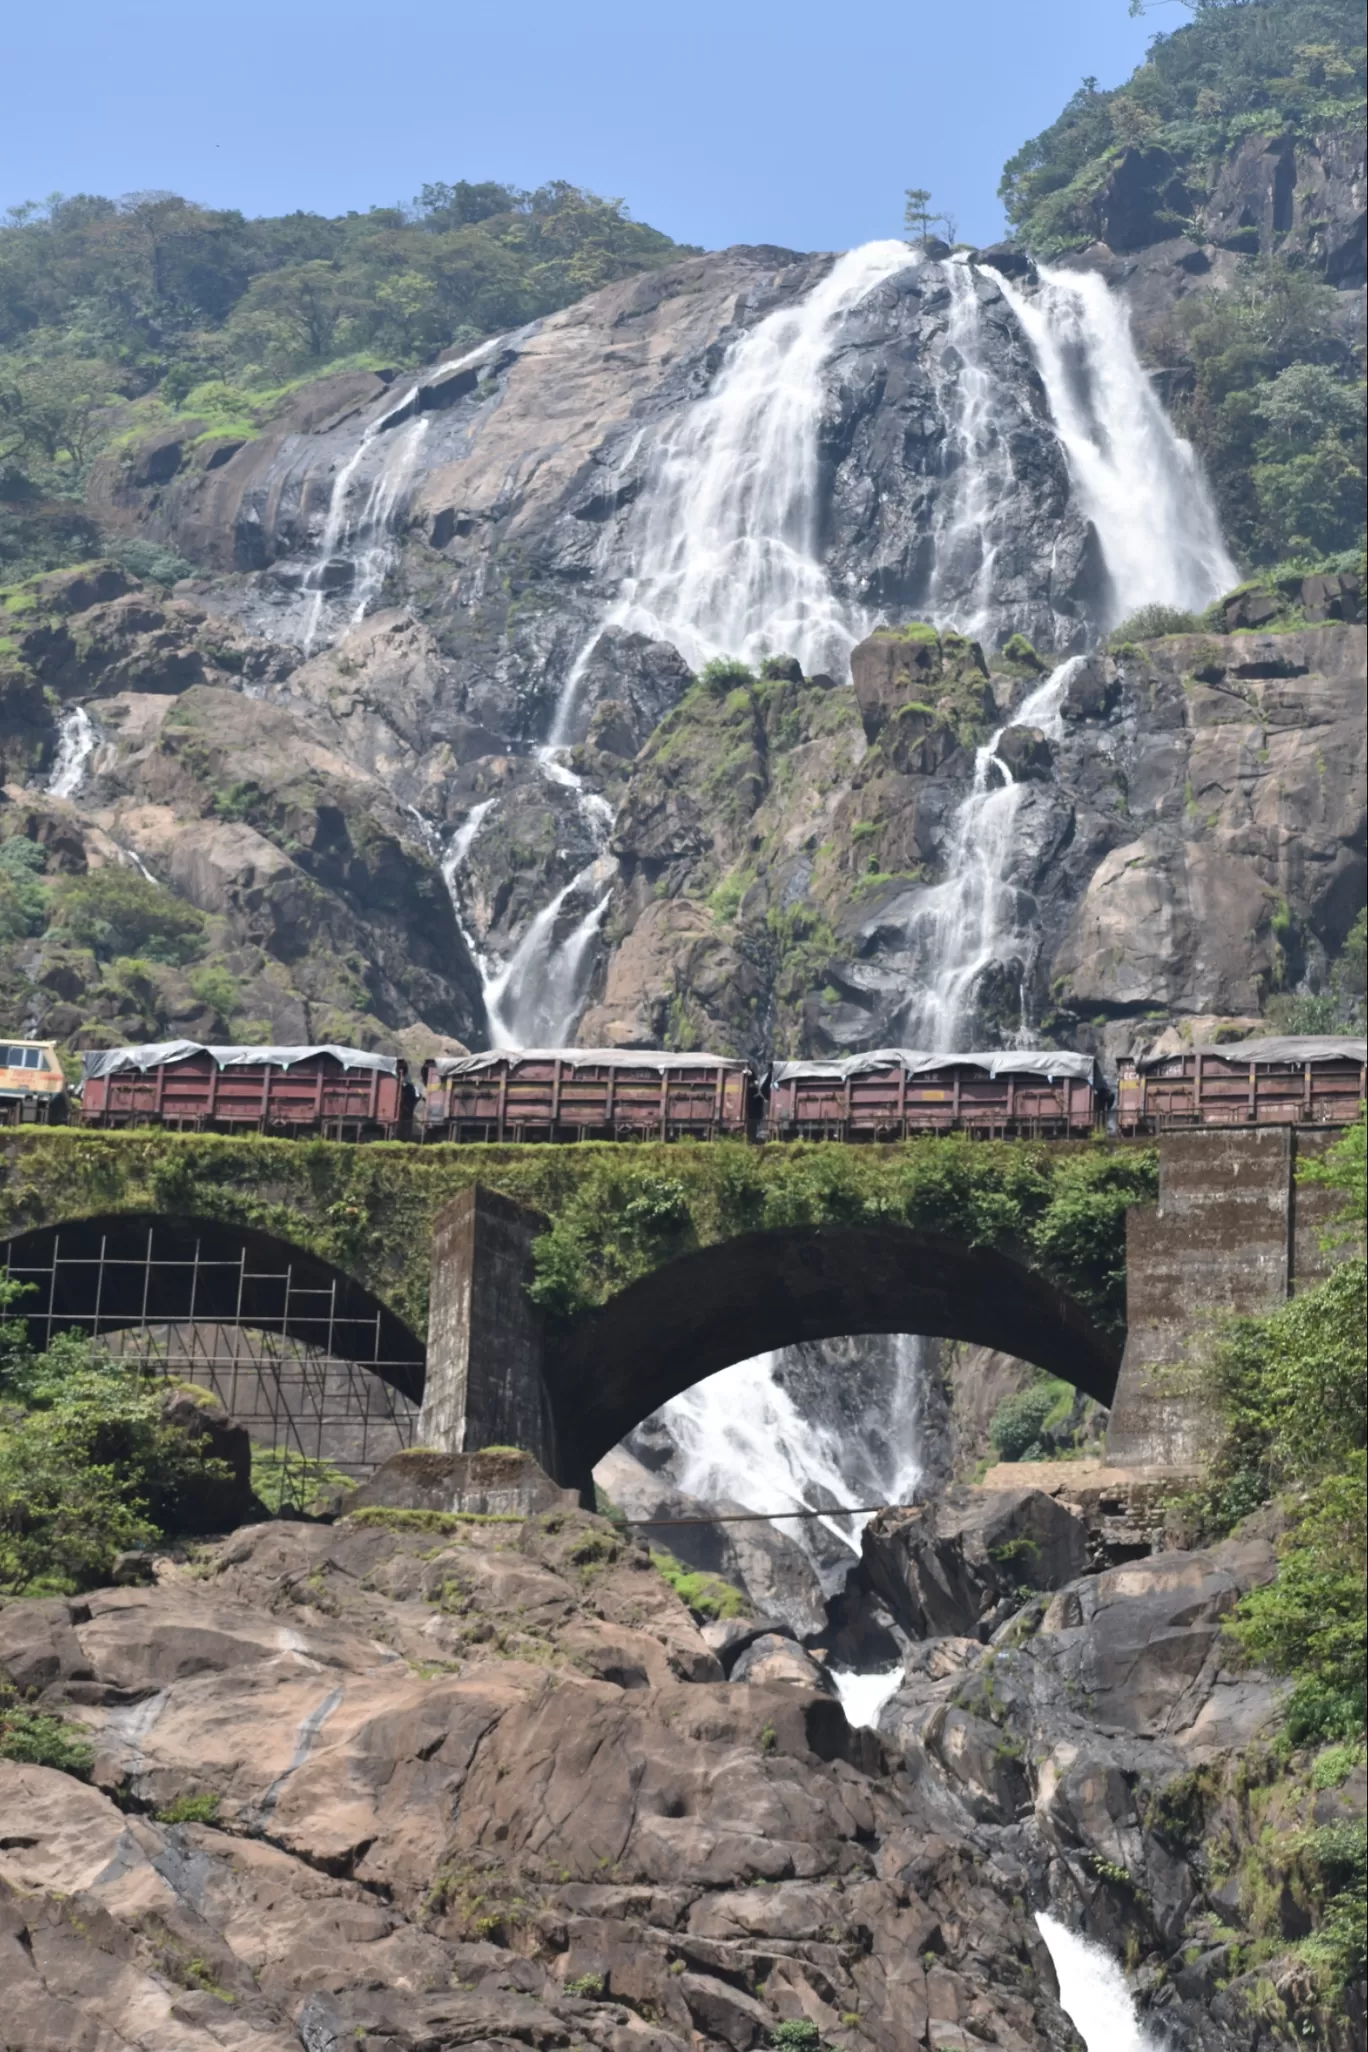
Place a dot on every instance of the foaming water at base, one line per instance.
(1093, 1992)
(864, 1695)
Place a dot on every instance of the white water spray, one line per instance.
(1138, 482)
(534, 1000)
(966, 925)
(1093, 1992)
(864, 1695)
(725, 544)
(76, 742)
(741, 1436)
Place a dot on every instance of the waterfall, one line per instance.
(980, 499)
(864, 1695)
(1093, 1992)
(725, 546)
(740, 1435)
(362, 543)
(968, 924)
(725, 562)
(1138, 482)
(534, 1000)
(76, 741)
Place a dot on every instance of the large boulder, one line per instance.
(223, 1496)
(963, 1563)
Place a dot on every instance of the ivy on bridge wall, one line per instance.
(615, 1212)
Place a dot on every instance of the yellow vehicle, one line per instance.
(32, 1086)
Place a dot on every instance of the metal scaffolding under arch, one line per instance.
(314, 1365)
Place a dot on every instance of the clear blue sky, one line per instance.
(720, 121)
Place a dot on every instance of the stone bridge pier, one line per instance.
(1231, 1232)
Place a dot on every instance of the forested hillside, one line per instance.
(111, 310)
(1231, 140)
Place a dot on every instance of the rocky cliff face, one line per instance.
(1188, 841)
(459, 1782)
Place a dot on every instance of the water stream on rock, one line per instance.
(981, 499)
(740, 1435)
(725, 546)
(76, 741)
(354, 551)
(1093, 1992)
(1137, 480)
(970, 923)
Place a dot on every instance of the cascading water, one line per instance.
(1093, 1992)
(740, 1435)
(968, 924)
(1140, 485)
(76, 742)
(534, 1000)
(358, 546)
(725, 560)
(1138, 482)
(980, 501)
(725, 550)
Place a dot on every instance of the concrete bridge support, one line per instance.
(1232, 1232)
(485, 1339)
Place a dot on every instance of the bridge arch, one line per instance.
(122, 1270)
(611, 1367)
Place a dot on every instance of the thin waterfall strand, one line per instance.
(967, 925)
(76, 742)
(979, 499)
(1093, 1992)
(1137, 480)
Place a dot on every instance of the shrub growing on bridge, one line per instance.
(616, 1213)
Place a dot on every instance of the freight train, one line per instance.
(342, 1093)
(1294, 1080)
(563, 1094)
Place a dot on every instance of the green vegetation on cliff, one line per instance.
(1241, 67)
(103, 302)
(1289, 1394)
(1263, 373)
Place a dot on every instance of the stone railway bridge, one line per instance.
(553, 1297)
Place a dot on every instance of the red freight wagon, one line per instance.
(896, 1091)
(588, 1093)
(1290, 1080)
(341, 1092)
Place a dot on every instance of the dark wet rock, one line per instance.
(223, 1498)
(961, 1563)
(1027, 754)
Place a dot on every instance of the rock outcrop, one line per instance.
(435, 1780)
(1192, 843)
(474, 1784)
